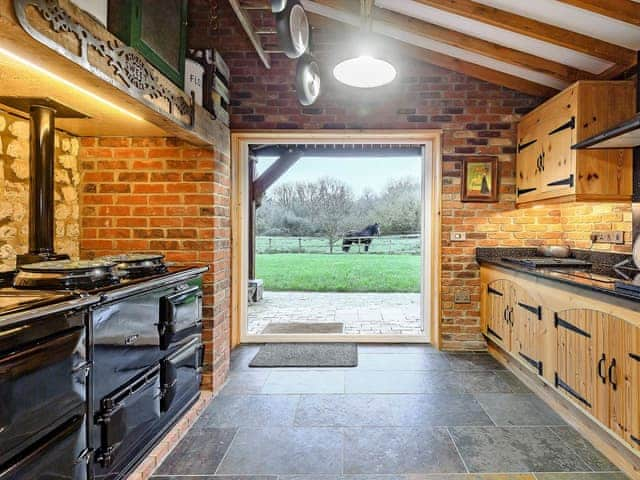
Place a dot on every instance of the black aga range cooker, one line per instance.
(97, 361)
(98, 358)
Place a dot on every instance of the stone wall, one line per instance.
(163, 195)
(14, 191)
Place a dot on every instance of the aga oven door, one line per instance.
(62, 455)
(127, 421)
(180, 376)
(180, 315)
(42, 381)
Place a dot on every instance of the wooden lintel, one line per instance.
(624, 10)
(273, 173)
(244, 20)
(536, 29)
(445, 61)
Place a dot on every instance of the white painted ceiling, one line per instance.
(547, 11)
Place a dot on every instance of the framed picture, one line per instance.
(479, 179)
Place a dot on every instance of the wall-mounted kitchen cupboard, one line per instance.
(584, 345)
(549, 170)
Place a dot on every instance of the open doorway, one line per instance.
(338, 239)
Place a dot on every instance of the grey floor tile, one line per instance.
(515, 449)
(470, 362)
(434, 381)
(518, 409)
(216, 477)
(249, 410)
(400, 450)
(474, 476)
(582, 476)
(492, 382)
(304, 381)
(342, 477)
(241, 356)
(390, 410)
(198, 453)
(596, 461)
(402, 361)
(245, 382)
(396, 348)
(281, 451)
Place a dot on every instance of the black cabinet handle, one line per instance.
(538, 162)
(601, 363)
(542, 161)
(612, 373)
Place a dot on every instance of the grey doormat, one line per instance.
(302, 327)
(306, 355)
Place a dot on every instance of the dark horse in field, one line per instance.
(362, 237)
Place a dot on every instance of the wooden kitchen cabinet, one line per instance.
(500, 299)
(548, 170)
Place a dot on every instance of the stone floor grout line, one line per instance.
(464, 464)
(235, 434)
(575, 452)
(495, 424)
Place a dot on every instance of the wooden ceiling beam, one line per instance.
(448, 62)
(626, 11)
(244, 20)
(472, 44)
(535, 29)
(479, 46)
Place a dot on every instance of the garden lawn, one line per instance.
(339, 272)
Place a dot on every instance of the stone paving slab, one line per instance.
(361, 313)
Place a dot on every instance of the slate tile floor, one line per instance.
(405, 413)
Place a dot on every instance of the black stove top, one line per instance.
(66, 275)
(137, 265)
(547, 262)
(13, 300)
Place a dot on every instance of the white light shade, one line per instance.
(364, 72)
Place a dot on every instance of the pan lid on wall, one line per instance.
(308, 82)
(293, 28)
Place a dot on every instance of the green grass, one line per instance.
(339, 273)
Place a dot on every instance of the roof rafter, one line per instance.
(448, 62)
(624, 10)
(535, 29)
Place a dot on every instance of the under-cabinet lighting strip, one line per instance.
(29, 64)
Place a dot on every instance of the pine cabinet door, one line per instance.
(632, 384)
(577, 337)
(499, 305)
(526, 341)
(528, 175)
(558, 164)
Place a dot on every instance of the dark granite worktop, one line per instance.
(603, 267)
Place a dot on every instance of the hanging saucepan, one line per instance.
(636, 252)
(278, 5)
(292, 26)
(307, 80)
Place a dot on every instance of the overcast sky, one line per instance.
(360, 173)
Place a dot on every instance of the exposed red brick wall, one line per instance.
(477, 118)
(162, 195)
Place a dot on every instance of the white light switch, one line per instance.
(458, 236)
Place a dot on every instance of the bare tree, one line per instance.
(331, 201)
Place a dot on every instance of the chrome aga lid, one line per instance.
(67, 275)
(137, 265)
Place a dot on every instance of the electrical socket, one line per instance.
(462, 296)
(458, 236)
(614, 236)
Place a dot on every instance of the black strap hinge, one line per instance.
(565, 181)
(559, 322)
(492, 332)
(570, 391)
(570, 124)
(534, 363)
(522, 191)
(522, 146)
(535, 310)
(493, 291)
(635, 356)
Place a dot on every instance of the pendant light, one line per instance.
(365, 71)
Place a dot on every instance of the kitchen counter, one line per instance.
(602, 266)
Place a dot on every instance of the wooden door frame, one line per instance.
(239, 231)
